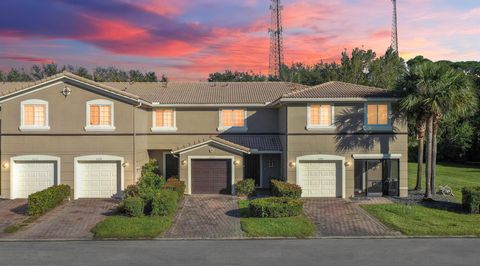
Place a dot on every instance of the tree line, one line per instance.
(100, 74)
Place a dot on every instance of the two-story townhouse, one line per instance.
(335, 140)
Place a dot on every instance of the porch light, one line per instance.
(125, 165)
(236, 163)
(291, 164)
(5, 165)
(184, 162)
(348, 163)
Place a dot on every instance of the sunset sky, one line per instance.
(187, 39)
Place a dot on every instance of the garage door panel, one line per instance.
(319, 178)
(98, 179)
(33, 176)
(210, 176)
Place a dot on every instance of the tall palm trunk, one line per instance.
(428, 176)
(421, 145)
(436, 120)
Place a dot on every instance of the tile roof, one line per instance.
(260, 143)
(337, 89)
(208, 92)
(246, 144)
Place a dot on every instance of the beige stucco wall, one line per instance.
(354, 141)
(67, 137)
(205, 153)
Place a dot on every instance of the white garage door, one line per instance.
(97, 179)
(32, 176)
(318, 179)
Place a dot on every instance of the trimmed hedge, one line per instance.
(164, 203)
(245, 187)
(275, 207)
(47, 199)
(471, 199)
(133, 206)
(176, 185)
(282, 189)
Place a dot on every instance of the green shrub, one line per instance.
(47, 199)
(131, 191)
(245, 187)
(471, 199)
(164, 203)
(275, 207)
(150, 183)
(133, 206)
(282, 189)
(175, 185)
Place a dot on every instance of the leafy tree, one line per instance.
(236, 76)
(2, 76)
(17, 75)
(110, 74)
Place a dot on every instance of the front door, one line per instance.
(252, 168)
(271, 168)
(374, 176)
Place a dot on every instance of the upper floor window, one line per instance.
(378, 115)
(100, 116)
(320, 116)
(34, 115)
(164, 120)
(233, 119)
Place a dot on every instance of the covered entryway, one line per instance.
(98, 176)
(33, 173)
(321, 175)
(211, 176)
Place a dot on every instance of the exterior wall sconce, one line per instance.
(125, 165)
(184, 162)
(236, 163)
(291, 164)
(348, 163)
(6, 165)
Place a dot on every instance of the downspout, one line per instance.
(135, 143)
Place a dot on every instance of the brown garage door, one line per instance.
(211, 176)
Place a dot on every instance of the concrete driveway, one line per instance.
(12, 212)
(338, 217)
(206, 217)
(72, 220)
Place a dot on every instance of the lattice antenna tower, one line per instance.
(394, 43)
(276, 39)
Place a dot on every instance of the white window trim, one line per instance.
(155, 128)
(222, 128)
(369, 127)
(318, 127)
(24, 127)
(89, 127)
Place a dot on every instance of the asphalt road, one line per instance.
(246, 252)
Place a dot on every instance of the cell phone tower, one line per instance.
(276, 39)
(394, 27)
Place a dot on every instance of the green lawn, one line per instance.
(422, 221)
(131, 227)
(299, 226)
(456, 176)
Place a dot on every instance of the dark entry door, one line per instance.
(374, 177)
(211, 176)
(252, 168)
(171, 166)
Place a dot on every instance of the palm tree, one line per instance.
(438, 91)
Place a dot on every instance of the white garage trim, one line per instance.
(322, 157)
(377, 156)
(96, 158)
(232, 162)
(30, 158)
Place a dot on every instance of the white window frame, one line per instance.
(373, 127)
(232, 128)
(156, 128)
(89, 127)
(24, 127)
(319, 127)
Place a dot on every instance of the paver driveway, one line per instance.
(206, 216)
(12, 212)
(338, 217)
(73, 220)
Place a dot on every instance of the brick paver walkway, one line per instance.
(337, 217)
(73, 220)
(12, 212)
(206, 216)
